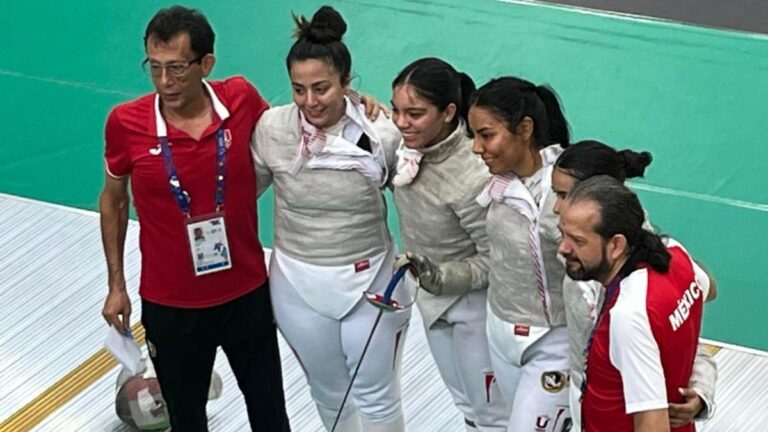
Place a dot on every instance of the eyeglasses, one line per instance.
(175, 69)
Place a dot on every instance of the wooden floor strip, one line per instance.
(713, 349)
(65, 389)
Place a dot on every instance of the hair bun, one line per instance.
(635, 163)
(327, 25)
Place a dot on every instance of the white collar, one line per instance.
(218, 106)
(510, 189)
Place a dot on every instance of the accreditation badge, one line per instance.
(208, 244)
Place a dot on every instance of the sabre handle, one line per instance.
(396, 278)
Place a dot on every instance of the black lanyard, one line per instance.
(182, 198)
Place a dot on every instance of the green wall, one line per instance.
(696, 98)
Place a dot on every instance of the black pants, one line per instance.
(183, 342)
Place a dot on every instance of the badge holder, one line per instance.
(208, 243)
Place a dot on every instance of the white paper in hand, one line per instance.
(124, 349)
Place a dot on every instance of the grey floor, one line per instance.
(52, 285)
(50, 323)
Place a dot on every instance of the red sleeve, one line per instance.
(116, 156)
(255, 100)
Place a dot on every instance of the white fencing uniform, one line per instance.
(440, 219)
(331, 245)
(328, 350)
(582, 302)
(526, 313)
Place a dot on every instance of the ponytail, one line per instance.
(467, 88)
(589, 158)
(558, 125)
(648, 248)
(634, 163)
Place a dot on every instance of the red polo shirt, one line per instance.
(167, 275)
(644, 344)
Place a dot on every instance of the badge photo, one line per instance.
(208, 244)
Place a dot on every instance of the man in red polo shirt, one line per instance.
(643, 345)
(185, 151)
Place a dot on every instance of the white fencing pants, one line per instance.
(459, 346)
(328, 350)
(535, 378)
(575, 398)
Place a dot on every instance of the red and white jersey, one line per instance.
(644, 344)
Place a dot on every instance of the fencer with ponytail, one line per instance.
(589, 158)
(330, 205)
(437, 82)
(513, 99)
(321, 39)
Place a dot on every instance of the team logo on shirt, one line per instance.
(553, 381)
